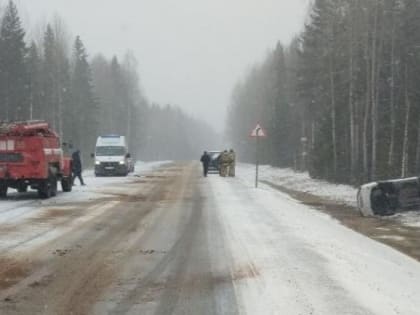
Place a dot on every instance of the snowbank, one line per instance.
(305, 262)
(93, 190)
(302, 182)
(290, 179)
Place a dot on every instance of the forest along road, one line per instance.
(172, 242)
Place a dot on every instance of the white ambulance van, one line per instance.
(112, 157)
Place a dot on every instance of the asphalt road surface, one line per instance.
(172, 242)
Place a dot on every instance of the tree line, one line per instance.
(53, 78)
(342, 99)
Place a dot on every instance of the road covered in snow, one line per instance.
(401, 231)
(339, 194)
(168, 241)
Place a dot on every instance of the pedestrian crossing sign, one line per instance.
(258, 132)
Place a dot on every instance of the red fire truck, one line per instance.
(31, 156)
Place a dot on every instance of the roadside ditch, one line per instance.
(386, 230)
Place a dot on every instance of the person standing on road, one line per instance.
(219, 163)
(232, 163)
(205, 160)
(77, 167)
(224, 163)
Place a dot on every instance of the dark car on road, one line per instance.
(214, 161)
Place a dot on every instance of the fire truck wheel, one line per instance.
(22, 189)
(44, 190)
(53, 185)
(66, 184)
(3, 191)
(48, 188)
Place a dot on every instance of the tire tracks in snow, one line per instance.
(387, 231)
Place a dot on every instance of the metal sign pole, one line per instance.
(257, 162)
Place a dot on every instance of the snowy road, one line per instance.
(171, 242)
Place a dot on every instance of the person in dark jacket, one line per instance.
(205, 160)
(77, 167)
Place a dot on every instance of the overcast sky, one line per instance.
(190, 52)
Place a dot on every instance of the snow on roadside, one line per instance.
(411, 218)
(94, 184)
(19, 212)
(91, 191)
(306, 262)
(301, 182)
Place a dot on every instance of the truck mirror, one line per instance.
(128, 155)
(92, 155)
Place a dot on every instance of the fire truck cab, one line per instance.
(31, 156)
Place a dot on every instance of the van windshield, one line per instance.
(110, 151)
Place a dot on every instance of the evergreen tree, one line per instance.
(49, 92)
(85, 106)
(41, 83)
(34, 66)
(13, 72)
(351, 93)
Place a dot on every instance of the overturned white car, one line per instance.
(388, 197)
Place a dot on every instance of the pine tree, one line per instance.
(13, 72)
(34, 66)
(49, 71)
(101, 74)
(85, 112)
(411, 69)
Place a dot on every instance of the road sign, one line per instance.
(258, 131)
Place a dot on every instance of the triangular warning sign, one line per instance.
(258, 131)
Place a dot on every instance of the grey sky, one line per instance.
(190, 52)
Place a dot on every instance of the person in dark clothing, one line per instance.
(77, 167)
(205, 160)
